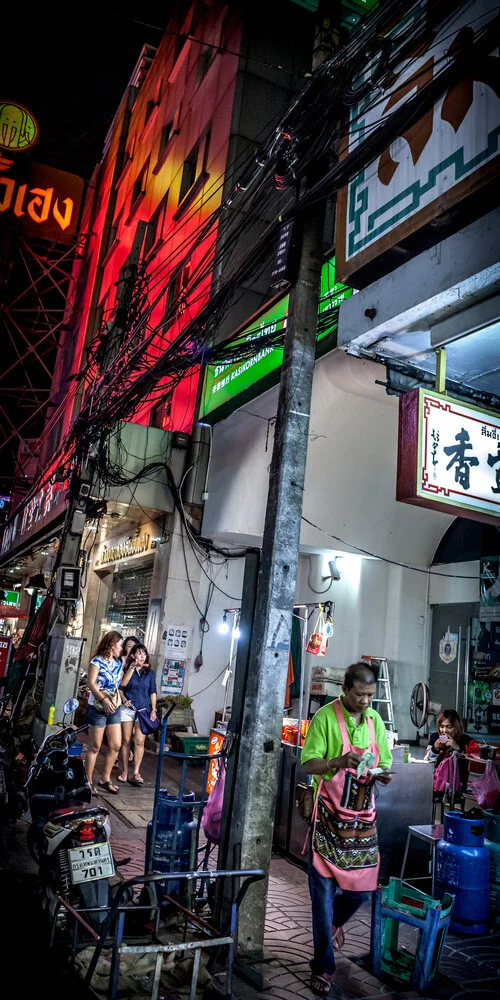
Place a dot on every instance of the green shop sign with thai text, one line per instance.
(229, 385)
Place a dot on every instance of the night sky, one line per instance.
(72, 77)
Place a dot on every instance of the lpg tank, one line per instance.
(463, 869)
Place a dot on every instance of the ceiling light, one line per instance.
(224, 627)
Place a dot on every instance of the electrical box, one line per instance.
(67, 585)
(61, 682)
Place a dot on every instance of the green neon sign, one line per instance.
(11, 598)
(227, 386)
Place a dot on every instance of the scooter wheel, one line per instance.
(32, 844)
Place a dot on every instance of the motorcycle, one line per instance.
(68, 837)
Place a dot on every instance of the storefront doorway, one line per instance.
(129, 600)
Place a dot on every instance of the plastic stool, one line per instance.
(430, 833)
(397, 904)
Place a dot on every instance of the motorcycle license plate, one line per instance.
(90, 863)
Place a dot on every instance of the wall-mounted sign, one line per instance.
(39, 201)
(449, 456)
(43, 508)
(448, 647)
(114, 550)
(18, 127)
(227, 386)
(12, 598)
(443, 157)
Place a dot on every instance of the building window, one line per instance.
(166, 135)
(160, 415)
(139, 188)
(150, 106)
(195, 164)
(155, 226)
(113, 232)
(204, 62)
(177, 293)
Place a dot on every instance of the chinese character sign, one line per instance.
(449, 456)
(438, 159)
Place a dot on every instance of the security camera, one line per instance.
(334, 571)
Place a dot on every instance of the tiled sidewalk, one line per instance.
(470, 967)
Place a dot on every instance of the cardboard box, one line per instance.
(330, 688)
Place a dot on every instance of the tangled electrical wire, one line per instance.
(149, 359)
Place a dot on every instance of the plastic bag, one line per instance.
(318, 641)
(443, 776)
(487, 789)
(212, 813)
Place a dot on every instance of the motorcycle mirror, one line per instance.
(70, 706)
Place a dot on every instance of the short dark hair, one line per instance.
(131, 655)
(359, 672)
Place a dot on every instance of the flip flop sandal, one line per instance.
(108, 786)
(138, 780)
(338, 939)
(123, 776)
(324, 983)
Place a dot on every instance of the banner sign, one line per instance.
(39, 512)
(227, 386)
(449, 456)
(447, 154)
(41, 201)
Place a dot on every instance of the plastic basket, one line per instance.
(189, 744)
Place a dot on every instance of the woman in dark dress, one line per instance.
(450, 736)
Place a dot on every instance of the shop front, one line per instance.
(120, 590)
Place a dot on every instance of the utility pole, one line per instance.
(254, 801)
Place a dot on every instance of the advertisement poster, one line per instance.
(489, 589)
(172, 676)
(177, 638)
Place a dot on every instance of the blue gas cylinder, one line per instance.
(166, 858)
(492, 842)
(463, 869)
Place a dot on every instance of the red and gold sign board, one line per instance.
(41, 201)
(449, 456)
(215, 744)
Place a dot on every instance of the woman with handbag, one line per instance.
(449, 737)
(104, 707)
(138, 692)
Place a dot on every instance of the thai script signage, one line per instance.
(116, 549)
(39, 512)
(449, 456)
(18, 127)
(229, 385)
(41, 201)
(449, 152)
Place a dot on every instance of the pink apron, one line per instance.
(344, 830)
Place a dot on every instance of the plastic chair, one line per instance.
(398, 904)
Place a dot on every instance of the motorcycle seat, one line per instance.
(79, 809)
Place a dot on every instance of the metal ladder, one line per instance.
(382, 702)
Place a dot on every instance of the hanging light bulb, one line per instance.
(224, 627)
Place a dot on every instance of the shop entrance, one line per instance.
(449, 666)
(129, 601)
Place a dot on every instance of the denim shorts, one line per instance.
(99, 719)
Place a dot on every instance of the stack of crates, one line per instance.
(191, 744)
(398, 904)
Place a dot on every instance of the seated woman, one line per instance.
(138, 691)
(450, 736)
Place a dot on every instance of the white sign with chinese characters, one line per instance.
(458, 454)
(439, 158)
